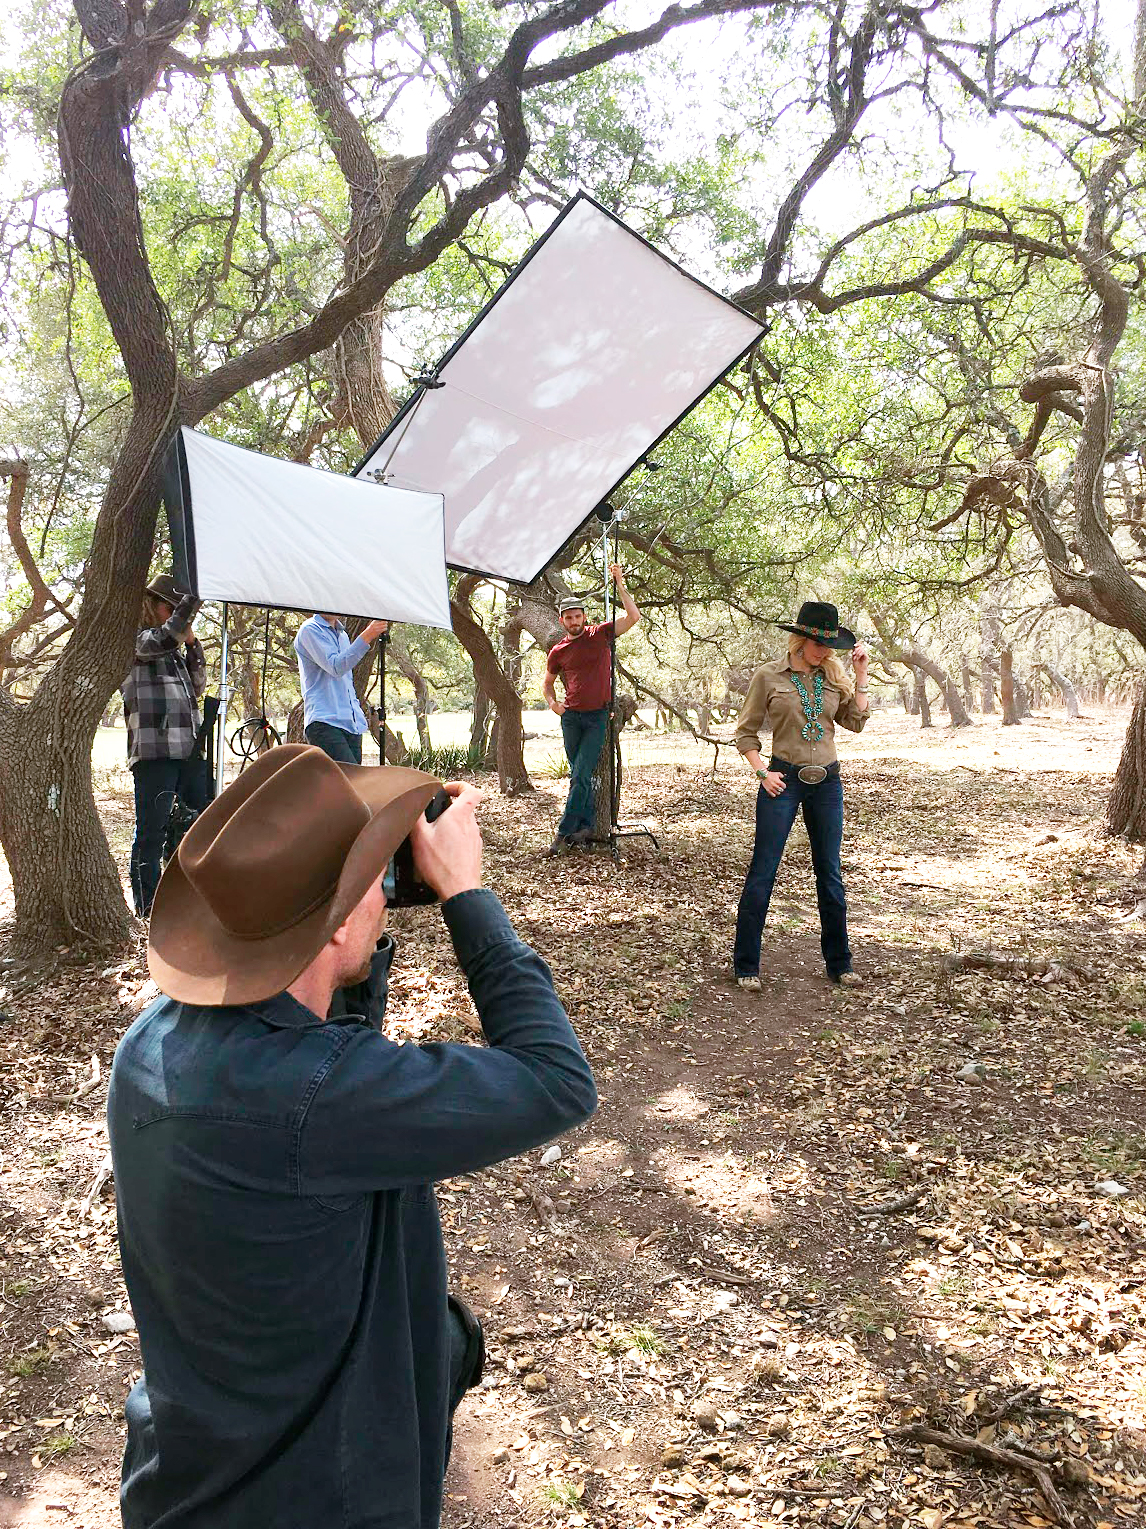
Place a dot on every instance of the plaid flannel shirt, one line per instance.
(161, 692)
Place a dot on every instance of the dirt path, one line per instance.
(791, 1230)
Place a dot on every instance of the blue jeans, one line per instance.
(159, 783)
(823, 807)
(345, 747)
(583, 733)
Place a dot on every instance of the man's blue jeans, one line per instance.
(342, 746)
(584, 733)
(823, 807)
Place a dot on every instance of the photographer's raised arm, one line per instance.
(388, 1115)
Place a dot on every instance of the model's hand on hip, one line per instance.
(557, 707)
(447, 852)
(773, 782)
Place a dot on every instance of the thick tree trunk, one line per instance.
(920, 663)
(919, 702)
(480, 725)
(968, 683)
(1066, 690)
(491, 677)
(989, 645)
(1007, 687)
(66, 885)
(410, 671)
(65, 882)
(1126, 810)
(1022, 699)
(605, 788)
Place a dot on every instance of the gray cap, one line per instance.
(570, 603)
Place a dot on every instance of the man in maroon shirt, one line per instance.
(583, 660)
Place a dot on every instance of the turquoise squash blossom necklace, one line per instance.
(812, 730)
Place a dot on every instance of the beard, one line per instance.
(361, 975)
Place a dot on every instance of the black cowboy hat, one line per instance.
(820, 620)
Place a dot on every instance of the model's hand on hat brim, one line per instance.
(447, 852)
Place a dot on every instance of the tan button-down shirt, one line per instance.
(773, 702)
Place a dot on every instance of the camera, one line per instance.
(400, 883)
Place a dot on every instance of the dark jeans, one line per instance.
(159, 784)
(335, 741)
(823, 807)
(584, 733)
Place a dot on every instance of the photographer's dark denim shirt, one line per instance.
(281, 1245)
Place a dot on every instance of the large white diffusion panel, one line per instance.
(260, 531)
(595, 347)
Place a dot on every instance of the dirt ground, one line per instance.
(823, 1257)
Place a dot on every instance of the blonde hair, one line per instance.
(834, 671)
(149, 611)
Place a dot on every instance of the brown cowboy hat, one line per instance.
(268, 872)
(164, 587)
(820, 620)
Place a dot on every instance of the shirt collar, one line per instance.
(786, 663)
(285, 1013)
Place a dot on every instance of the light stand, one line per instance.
(610, 516)
(382, 641)
(224, 697)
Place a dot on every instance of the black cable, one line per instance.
(252, 738)
(255, 735)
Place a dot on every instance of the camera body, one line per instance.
(400, 883)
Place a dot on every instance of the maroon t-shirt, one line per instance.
(583, 663)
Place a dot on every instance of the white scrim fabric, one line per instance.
(594, 349)
(268, 532)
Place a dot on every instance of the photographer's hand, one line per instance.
(447, 852)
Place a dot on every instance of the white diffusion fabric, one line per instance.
(261, 531)
(595, 347)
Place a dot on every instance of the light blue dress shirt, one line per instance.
(326, 660)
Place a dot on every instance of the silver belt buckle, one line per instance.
(811, 775)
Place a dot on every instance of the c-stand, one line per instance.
(609, 515)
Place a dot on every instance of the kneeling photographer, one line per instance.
(274, 1167)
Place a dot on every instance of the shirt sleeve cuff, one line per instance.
(476, 920)
(359, 648)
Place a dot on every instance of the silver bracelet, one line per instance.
(861, 690)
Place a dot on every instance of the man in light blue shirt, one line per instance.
(332, 716)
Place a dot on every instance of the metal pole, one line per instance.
(223, 697)
(382, 641)
(611, 728)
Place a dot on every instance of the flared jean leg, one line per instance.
(774, 818)
(824, 820)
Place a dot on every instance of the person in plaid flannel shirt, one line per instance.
(160, 706)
